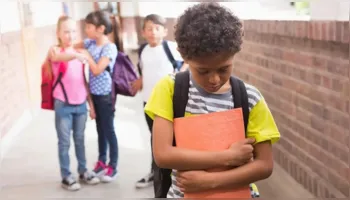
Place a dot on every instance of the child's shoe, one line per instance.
(110, 175)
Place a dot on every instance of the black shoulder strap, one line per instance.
(169, 54)
(240, 98)
(59, 81)
(139, 54)
(180, 98)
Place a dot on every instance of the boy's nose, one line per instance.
(214, 79)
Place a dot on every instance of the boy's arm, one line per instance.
(263, 128)
(259, 169)
(167, 156)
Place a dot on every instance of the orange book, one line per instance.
(212, 132)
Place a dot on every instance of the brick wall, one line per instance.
(302, 69)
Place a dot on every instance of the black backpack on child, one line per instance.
(162, 177)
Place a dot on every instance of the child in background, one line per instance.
(154, 64)
(101, 55)
(71, 115)
(208, 37)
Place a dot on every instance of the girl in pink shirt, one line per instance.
(71, 95)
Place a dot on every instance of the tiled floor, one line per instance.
(30, 169)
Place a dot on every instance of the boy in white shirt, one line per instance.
(157, 59)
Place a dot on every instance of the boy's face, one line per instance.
(154, 33)
(212, 72)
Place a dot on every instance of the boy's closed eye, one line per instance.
(220, 70)
(202, 71)
(223, 69)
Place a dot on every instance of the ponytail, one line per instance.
(117, 31)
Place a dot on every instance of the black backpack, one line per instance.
(162, 177)
(176, 64)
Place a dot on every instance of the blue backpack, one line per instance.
(176, 64)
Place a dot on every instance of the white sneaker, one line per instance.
(146, 181)
(89, 178)
(110, 175)
(70, 184)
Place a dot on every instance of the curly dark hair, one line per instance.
(206, 29)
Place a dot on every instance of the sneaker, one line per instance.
(89, 178)
(145, 181)
(100, 169)
(70, 184)
(110, 175)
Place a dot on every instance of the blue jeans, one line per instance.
(70, 118)
(104, 109)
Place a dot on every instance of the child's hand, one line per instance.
(137, 85)
(81, 57)
(194, 181)
(242, 152)
(92, 114)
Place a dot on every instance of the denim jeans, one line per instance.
(70, 118)
(104, 109)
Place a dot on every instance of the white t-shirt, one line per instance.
(155, 65)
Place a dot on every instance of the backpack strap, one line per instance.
(162, 177)
(59, 80)
(108, 69)
(139, 54)
(240, 98)
(169, 54)
(180, 98)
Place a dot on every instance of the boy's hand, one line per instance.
(137, 85)
(242, 152)
(194, 181)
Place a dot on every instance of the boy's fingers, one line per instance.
(249, 141)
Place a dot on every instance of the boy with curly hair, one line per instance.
(208, 37)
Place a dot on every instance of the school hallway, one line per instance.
(38, 177)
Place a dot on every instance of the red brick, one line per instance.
(338, 31)
(345, 33)
(324, 30)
